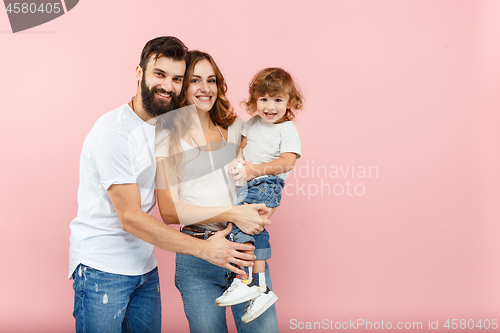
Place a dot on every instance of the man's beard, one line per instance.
(152, 105)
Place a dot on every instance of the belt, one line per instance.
(198, 232)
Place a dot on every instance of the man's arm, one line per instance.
(216, 250)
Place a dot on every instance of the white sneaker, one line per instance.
(258, 305)
(237, 293)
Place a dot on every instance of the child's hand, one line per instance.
(240, 176)
(239, 173)
(234, 165)
(245, 173)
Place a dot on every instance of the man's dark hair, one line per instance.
(168, 46)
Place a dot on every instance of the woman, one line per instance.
(193, 147)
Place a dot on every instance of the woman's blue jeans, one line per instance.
(112, 303)
(200, 283)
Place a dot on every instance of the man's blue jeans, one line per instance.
(110, 303)
(200, 283)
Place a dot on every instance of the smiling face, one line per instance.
(272, 108)
(202, 89)
(161, 85)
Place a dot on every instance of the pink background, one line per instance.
(410, 88)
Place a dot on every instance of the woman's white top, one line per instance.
(204, 180)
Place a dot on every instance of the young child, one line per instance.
(267, 154)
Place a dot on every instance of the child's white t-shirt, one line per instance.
(266, 142)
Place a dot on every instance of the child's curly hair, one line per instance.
(272, 81)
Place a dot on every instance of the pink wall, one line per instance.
(410, 88)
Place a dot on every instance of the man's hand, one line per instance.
(223, 253)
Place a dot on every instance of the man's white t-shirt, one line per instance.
(266, 142)
(119, 149)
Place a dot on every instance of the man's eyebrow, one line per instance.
(159, 70)
(163, 72)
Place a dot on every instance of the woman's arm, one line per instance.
(249, 218)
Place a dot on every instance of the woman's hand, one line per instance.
(252, 218)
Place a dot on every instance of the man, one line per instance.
(112, 240)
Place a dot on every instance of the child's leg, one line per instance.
(243, 288)
(259, 269)
(262, 252)
(247, 278)
(267, 297)
(270, 195)
(259, 266)
(238, 236)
